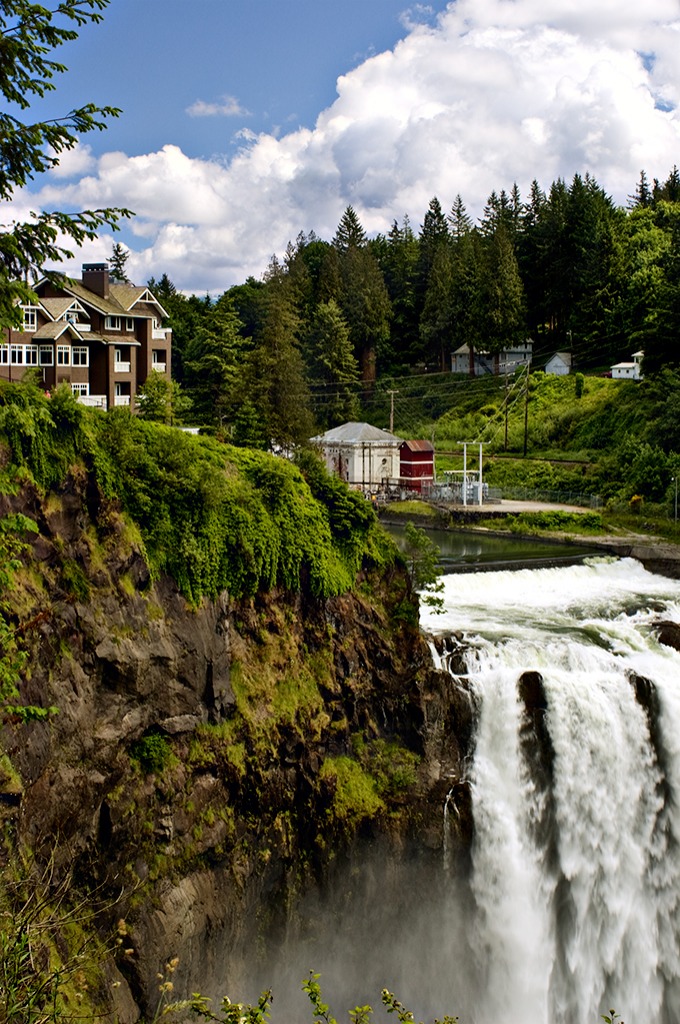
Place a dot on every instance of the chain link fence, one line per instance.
(549, 497)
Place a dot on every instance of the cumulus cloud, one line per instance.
(493, 92)
(227, 106)
(74, 162)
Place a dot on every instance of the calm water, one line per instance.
(464, 552)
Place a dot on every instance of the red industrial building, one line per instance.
(416, 464)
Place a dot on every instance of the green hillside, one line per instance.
(616, 439)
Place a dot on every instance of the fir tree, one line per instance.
(333, 368)
(117, 263)
(350, 234)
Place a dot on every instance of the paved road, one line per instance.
(525, 506)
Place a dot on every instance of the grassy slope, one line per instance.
(613, 440)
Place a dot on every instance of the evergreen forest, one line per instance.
(355, 326)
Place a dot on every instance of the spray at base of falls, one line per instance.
(575, 870)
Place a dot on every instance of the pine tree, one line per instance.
(213, 366)
(459, 220)
(501, 294)
(350, 234)
(333, 369)
(643, 193)
(117, 263)
(353, 270)
(433, 234)
(274, 379)
(399, 265)
(366, 307)
(436, 327)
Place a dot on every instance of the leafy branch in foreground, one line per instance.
(49, 951)
(29, 33)
(229, 1013)
(422, 560)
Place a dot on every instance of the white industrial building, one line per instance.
(361, 454)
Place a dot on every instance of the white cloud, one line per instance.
(495, 92)
(74, 162)
(228, 106)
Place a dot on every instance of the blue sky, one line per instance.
(278, 60)
(246, 122)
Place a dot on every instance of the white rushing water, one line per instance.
(576, 874)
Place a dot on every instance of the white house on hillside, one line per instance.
(559, 364)
(629, 371)
(506, 361)
(362, 455)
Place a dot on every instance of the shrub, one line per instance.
(153, 753)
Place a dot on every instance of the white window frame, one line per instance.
(63, 355)
(4, 355)
(30, 318)
(112, 323)
(46, 350)
(16, 355)
(31, 355)
(129, 323)
(80, 355)
(82, 390)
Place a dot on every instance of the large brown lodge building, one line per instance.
(101, 337)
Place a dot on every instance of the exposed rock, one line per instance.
(668, 633)
(184, 768)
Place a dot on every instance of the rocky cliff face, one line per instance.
(207, 764)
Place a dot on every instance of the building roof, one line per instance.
(418, 446)
(564, 356)
(116, 339)
(517, 346)
(56, 307)
(120, 302)
(53, 331)
(356, 433)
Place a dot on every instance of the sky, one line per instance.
(245, 122)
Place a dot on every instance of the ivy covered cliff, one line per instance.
(241, 692)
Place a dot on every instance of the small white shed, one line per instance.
(361, 454)
(629, 371)
(559, 364)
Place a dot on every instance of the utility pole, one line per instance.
(505, 444)
(526, 410)
(392, 394)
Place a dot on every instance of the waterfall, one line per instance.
(575, 870)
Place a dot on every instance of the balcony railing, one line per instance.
(95, 401)
(160, 333)
(158, 367)
(121, 367)
(121, 400)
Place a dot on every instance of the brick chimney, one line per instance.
(96, 278)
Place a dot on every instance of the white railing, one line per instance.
(120, 367)
(121, 400)
(159, 367)
(96, 401)
(160, 333)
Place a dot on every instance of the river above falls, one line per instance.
(470, 551)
